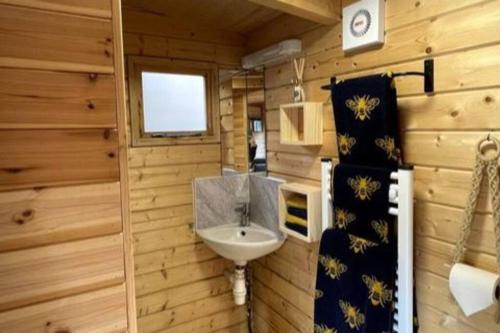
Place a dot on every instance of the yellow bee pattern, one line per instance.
(318, 294)
(360, 245)
(352, 315)
(323, 329)
(363, 187)
(345, 143)
(388, 145)
(378, 293)
(343, 218)
(381, 227)
(333, 267)
(362, 106)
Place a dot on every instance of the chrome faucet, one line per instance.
(244, 209)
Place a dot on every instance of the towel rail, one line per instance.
(428, 75)
(401, 194)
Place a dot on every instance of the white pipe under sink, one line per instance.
(237, 279)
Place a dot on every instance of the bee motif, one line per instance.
(343, 218)
(389, 146)
(381, 227)
(318, 294)
(333, 267)
(378, 293)
(352, 315)
(363, 187)
(345, 143)
(362, 106)
(359, 245)
(323, 329)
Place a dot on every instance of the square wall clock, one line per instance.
(363, 24)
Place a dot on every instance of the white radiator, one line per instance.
(401, 195)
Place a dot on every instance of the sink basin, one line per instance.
(241, 244)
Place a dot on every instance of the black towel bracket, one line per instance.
(428, 75)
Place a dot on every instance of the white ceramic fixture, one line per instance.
(240, 244)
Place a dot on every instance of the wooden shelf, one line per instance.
(301, 124)
(313, 199)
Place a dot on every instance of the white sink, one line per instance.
(241, 244)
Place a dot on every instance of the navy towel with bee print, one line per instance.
(353, 288)
(356, 272)
(361, 202)
(357, 260)
(366, 121)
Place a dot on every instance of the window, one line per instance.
(172, 101)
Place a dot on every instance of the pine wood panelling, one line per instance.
(401, 13)
(212, 323)
(299, 298)
(444, 149)
(226, 106)
(173, 155)
(443, 223)
(185, 313)
(172, 257)
(448, 187)
(298, 319)
(164, 279)
(302, 166)
(226, 88)
(157, 216)
(97, 8)
(229, 15)
(102, 311)
(49, 40)
(464, 110)
(170, 175)
(180, 285)
(31, 157)
(238, 328)
(184, 294)
(165, 222)
(39, 99)
(63, 248)
(227, 123)
(443, 35)
(434, 292)
(320, 11)
(35, 217)
(281, 28)
(240, 137)
(161, 197)
(142, 22)
(272, 317)
(439, 133)
(39, 274)
(162, 239)
(145, 45)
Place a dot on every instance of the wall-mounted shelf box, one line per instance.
(313, 199)
(301, 124)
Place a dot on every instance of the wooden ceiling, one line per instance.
(240, 16)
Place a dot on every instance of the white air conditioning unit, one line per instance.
(273, 54)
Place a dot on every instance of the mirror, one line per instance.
(243, 126)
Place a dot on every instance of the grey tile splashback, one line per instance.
(264, 202)
(217, 197)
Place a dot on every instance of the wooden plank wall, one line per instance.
(227, 122)
(62, 233)
(439, 135)
(180, 285)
